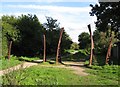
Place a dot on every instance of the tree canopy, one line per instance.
(52, 36)
(107, 13)
(84, 40)
(9, 32)
(27, 33)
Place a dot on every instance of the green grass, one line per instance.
(5, 63)
(71, 51)
(41, 75)
(79, 55)
(28, 59)
(108, 72)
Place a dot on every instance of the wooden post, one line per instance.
(109, 51)
(44, 56)
(9, 49)
(58, 48)
(92, 46)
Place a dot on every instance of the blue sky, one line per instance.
(73, 15)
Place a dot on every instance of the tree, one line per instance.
(58, 56)
(30, 43)
(52, 36)
(44, 37)
(44, 59)
(84, 40)
(107, 13)
(74, 46)
(51, 24)
(92, 46)
(9, 32)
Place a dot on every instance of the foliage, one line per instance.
(0, 37)
(30, 43)
(9, 32)
(28, 59)
(9, 63)
(51, 24)
(84, 51)
(101, 42)
(0, 41)
(27, 33)
(97, 60)
(108, 24)
(71, 51)
(74, 46)
(52, 36)
(84, 40)
(107, 13)
(76, 55)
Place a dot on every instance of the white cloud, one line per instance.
(74, 19)
(52, 8)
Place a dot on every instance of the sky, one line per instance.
(73, 15)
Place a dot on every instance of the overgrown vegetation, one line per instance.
(5, 63)
(106, 72)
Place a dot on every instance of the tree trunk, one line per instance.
(92, 46)
(9, 49)
(109, 51)
(58, 56)
(44, 56)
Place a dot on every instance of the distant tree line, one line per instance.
(24, 35)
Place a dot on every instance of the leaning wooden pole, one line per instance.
(44, 56)
(109, 51)
(9, 49)
(58, 48)
(92, 46)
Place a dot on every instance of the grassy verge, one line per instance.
(107, 72)
(41, 75)
(5, 63)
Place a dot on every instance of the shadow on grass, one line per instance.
(76, 65)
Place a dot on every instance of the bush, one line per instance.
(86, 63)
(9, 63)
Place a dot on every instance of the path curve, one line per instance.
(77, 67)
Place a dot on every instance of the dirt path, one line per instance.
(76, 66)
